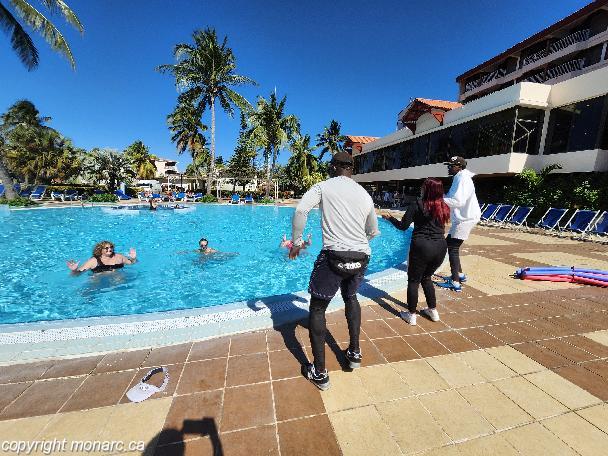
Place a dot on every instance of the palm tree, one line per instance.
(141, 160)
(331, 140)
(22, 43)
(272, 130)
(109, 166)
(205, 73)
(21, 118)
(302, 163)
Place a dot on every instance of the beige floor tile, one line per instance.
(450, 450)
(383, 383)
(81, 425)
(569, 394)
(486, 365)
(532, 399)
(494, 406)
(445, 405)
(133, 422)
(494, 445)
(579, 434)
(564, 258)
(597, 415)
(476, 239)
(420, 376)
(535, 440)
(23, 428)
(346, 392)
(515, 360)
(361, 431)
(454, 370)
(412, 425)
(599, 336)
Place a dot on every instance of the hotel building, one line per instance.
(542, 101)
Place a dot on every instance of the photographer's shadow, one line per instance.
(170, 442)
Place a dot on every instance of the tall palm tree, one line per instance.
(302, 163)
(22, 43)
(109, 166)
(331, 140)
(141, 160)
(205, 74)
(272, 130)
(22, 117)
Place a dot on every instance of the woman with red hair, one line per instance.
(428, 247)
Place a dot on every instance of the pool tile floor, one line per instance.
(512, 368)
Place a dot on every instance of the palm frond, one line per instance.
(21, 42)
(66, 12)
(46, 28)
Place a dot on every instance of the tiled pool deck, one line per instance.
(513, 368)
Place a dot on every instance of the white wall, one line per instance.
(585, 86)
(425, 122)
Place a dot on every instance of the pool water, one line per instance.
(35, 244)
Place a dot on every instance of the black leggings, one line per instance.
(424, 259)
(454, 255)
(317, 326)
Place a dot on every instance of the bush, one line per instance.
(265, 201)
(18, 202)
(208, 199)
(103, 198)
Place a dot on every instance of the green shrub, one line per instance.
(265, 201)
(18, 202)
(103, 198)
(208, 199)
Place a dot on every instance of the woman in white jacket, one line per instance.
(465, 214)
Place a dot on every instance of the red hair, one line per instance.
(432, 200)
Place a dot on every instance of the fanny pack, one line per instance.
(347, 264)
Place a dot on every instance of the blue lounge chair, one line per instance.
(38, 192)
(25, 192)
(57, 196)
(71, 195)
(236, 199)
(489, 212)
(519, 216)
(121, 195)
(179, 196)
(551, 218)
(501, 214)
(249, 199)
(580, 221)
(599, 227)
(1, 190)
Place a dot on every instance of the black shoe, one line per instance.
(353, 357)
(319, 379)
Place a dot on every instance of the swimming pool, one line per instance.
(35, 244)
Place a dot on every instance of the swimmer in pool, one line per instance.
(104, 259)
(287, 243)
(204, 248)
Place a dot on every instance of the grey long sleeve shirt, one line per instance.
(348, 219)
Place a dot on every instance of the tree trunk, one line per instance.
(9, 192)
(268, 176)
(212, 163)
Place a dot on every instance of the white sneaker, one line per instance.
(408, 317)
(432, 314)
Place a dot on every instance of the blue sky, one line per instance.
(358, 62)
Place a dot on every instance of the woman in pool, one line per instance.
(287, 243)
(104, 259)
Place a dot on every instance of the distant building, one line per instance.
(165, 167)
(354, 144)
(542, 101)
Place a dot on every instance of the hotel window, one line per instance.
(378, 163)
(439, 146)
(575, 127)
(463, 140)
(495, 134)
(527, 130)
(420, 151)
(392, 157)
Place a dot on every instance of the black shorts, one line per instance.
(324, 282)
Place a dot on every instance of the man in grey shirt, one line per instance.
(348, 222)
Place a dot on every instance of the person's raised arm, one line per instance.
(76, 269)
(406, 220)
(371, 224)
(131, 258)
(459, 193)
(310, 199)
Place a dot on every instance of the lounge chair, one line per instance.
(518, 217)
(57, 196)
(25, 192)
(236, 199)
(38, 192)
(599, 227)
(249, 199)
(179, 196)
(121, 195)
(1, 190)
(579, 222)
(489, 212)
(550, 220)
(71, 195)
(501, 214)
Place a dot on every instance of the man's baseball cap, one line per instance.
(342, 159)
(456, 161)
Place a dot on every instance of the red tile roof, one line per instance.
(447, 105)
(361, 139)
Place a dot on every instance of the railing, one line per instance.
(558, 70)
(496, 74)
(576, 37)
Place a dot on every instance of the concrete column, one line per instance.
(543, 134)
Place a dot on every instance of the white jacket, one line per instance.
(464, 208)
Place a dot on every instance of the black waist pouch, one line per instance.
(347, 264)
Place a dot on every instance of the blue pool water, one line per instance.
(35, 244)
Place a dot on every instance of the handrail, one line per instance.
(563, 43)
